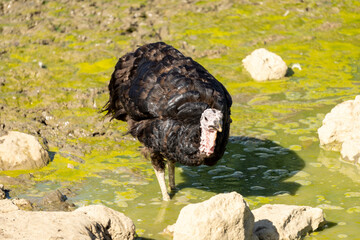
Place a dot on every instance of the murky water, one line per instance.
(273, 155)
(288, 169)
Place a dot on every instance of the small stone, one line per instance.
(264, 65)
(20, 151)
(54, 197)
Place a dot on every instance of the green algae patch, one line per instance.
(352, 194)
(66, 169)
(97, 67)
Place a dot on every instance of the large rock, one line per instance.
(224, 216)
(227, 216)
(286, 222)
(264, 65)
(341, 129)
(21, 151)
(91, 222)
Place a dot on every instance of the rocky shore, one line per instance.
(224, 216)
(90, 222)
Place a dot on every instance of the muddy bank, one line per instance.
(55, 105)
(56, 200)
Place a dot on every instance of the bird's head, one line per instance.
(211, 122)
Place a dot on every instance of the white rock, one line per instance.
(286, 222)
(116, 224)
(91, 222)
(341, 129)
(350, 150)
(264, 65)
(224, 216)
(21, 151)
(6, 205)
(227, 216)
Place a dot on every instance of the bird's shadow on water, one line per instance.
(250, 166)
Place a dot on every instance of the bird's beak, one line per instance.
(218, 126)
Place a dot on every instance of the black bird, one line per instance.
(173, 106)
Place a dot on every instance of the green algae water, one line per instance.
(273, 155)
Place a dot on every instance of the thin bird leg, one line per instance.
(160, 175)
(171, 169)
(158, 164)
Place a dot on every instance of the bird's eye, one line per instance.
(206, 119)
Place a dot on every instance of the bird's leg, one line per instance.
(159, 166)
(171, 169)
(160, 175)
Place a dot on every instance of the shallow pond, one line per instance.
(273, 155)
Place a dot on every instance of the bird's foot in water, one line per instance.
(166, 197)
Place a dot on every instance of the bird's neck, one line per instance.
(207, 141)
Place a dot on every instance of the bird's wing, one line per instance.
(157, 81)
(177, 89)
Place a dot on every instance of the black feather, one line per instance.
(162, 94)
